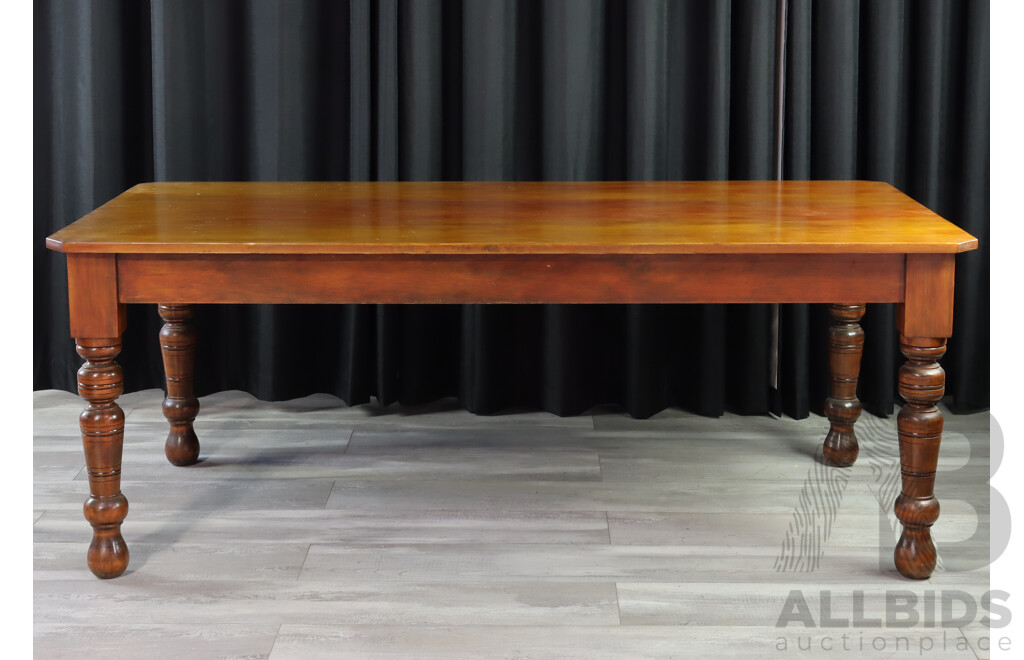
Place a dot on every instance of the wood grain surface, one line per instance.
(677, 217)
(510, 278)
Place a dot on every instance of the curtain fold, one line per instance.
(895, 91)
(511, 90)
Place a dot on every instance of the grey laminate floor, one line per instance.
(314, 530)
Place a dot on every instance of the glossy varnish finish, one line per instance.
(846, 344)
(178, 347)
(179, 244)
(921, 384)
(100, 382)
(505, 278)
(712, 217)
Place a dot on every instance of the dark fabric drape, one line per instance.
(502, 89)
(893, 91)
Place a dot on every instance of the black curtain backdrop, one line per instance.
(500, 89)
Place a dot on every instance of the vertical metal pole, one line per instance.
(780, 83)
(780, 118)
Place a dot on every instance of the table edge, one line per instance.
(522, 248)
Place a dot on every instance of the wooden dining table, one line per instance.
(842, 243)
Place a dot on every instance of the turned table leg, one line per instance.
(178, 344)
(100, 382)
(845, 346)
(924, 320)
(921, 384)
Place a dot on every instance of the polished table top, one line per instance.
(184, 244)
(706, 217)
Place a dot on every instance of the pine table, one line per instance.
(845, 243)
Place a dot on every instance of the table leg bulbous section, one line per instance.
(921, 384)
(180, 407)
(846, 344)
(100, 382)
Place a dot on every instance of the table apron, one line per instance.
(511, 278)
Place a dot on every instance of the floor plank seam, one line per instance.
(969, 645)
(277, 636)
(618, 603)
(302, 566)
(481, 566)
(329, 494)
